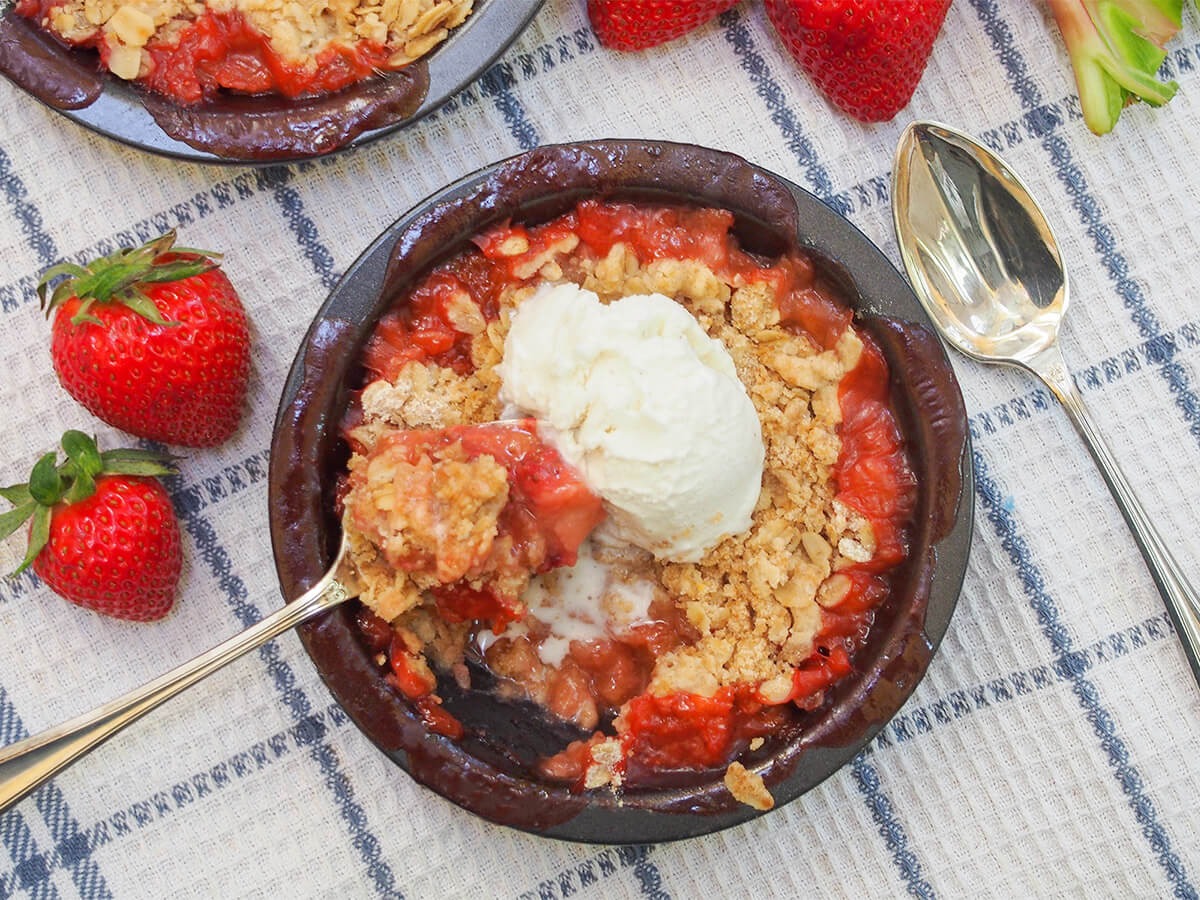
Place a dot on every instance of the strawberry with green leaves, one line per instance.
(866, 56)
(638, 24)
(103, 532)
(152, 340)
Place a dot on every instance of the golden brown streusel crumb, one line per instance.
(606, 756)
(442, 641)
(387, 592)
(747, 787)
(423, 396)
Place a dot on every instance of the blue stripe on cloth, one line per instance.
(214, 555)
(771, 93)
(26, 213)
(648, 877)
(71, 844)
(263, 753)
(33, 869)
(964, 701)
(785, 118)
(596, 869)
(769, 90)
(224, 775)
(1087, 205)
(31, 873)
(278, 180)
(215, 199)
(1068, 663)
(497, 83)
(866, 778)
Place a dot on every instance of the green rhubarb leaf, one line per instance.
(1139, 58)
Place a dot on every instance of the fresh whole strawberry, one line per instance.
(866, 56)
(638, 24)
(152, 340)
(103, 534)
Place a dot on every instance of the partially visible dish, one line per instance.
(188, 50)
(252, 80)
(486, 746)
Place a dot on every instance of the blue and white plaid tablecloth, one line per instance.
(1052, 751)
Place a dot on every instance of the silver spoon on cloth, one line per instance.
(985, 265)
(26, 764)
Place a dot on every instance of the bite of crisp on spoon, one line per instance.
(26, 764)
(985, 265)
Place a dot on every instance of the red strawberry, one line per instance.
(152, 340)
(867, 56)
(638, 24)
(103, 535)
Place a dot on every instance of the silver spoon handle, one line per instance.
(1181, 598)
(26, 764)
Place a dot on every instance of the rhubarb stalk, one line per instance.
(1116, 47)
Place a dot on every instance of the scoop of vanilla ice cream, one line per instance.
(646, 406)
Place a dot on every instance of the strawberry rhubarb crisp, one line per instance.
(678, 529)
(190, 49)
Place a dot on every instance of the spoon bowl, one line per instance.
(984, 263)
(978, 249)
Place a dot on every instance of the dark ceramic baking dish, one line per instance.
(478, 773)
(229, 129)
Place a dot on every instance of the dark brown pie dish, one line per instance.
(483, 771)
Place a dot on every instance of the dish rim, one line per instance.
(611, 823)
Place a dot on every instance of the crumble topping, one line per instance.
(605, 767)
(747, 787)
(752, 604)
(423, 396)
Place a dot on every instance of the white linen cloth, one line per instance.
(1053, 750)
